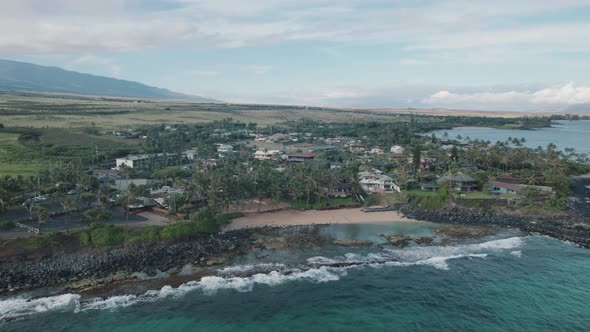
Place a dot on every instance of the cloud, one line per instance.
(102, 26)
(568, 94)
(564, 95)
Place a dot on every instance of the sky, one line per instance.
(469, 54)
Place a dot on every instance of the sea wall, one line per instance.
(567, 228)
(146, 258)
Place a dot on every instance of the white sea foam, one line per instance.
(274, 274)
(516, 253)
(18, 307)
(237, 269)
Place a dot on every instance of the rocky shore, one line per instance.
(105, 263)
(567, 228)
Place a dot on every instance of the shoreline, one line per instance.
(286, 218)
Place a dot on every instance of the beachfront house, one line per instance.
(499, 187)
(377, 182)
(459, 182)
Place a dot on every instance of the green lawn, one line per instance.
(15, 158)
(420, 193)
(482, 195)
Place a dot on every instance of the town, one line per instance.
(206, 175)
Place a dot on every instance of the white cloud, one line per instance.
(568, 94)
(564, 95)
(95, 26)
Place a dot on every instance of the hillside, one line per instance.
(22, 76)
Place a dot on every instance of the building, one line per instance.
(460, 182)
(191, 154)
(499, 187)
(377, 182)
(397, 150)
(123, 184)
(376, 150)
(147, 160)
(357, 148)
(429, 187)
(323, 148)
(300, 157)
(266, 154)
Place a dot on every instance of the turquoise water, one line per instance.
(509, 281)
(564, 134)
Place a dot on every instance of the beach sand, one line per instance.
(312, 217)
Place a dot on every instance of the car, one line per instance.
(71, 192)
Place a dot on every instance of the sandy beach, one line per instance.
(311, 217)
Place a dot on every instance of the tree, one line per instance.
(40, 213)
(416, 157)
(98, 215)
(68, 204)
(88, 197)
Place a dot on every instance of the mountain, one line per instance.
(22, 76)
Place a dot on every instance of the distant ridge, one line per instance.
(23, 76)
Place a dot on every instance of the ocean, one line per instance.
(505, 281)
(564, 134)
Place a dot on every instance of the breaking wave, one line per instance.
(244, 278)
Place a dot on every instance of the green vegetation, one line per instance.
(6, 225)
(429, 200)
(324, 203)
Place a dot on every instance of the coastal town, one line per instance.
(210, 174)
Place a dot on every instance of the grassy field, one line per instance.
(26, 158)
(55, 111)
(15, 158)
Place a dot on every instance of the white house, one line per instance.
(377, 150)
(190, 154)
(397, 150)
(375, 182)
(265, 154)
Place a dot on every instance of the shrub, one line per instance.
(97, 215)
(372, 199)
(106, 235)
(85, 238)
(6, 225)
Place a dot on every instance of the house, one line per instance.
(429, 187)
(397, 151)
(343, 189)
(500, 187)
(357, 148)
(210, 164)
(147, 160)
(300, 157)
(190, 154)
(123, 184)
(460, 182)
(265, 154)
(224, 148)
(376, 150)
(323, 148)
(377, 182)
